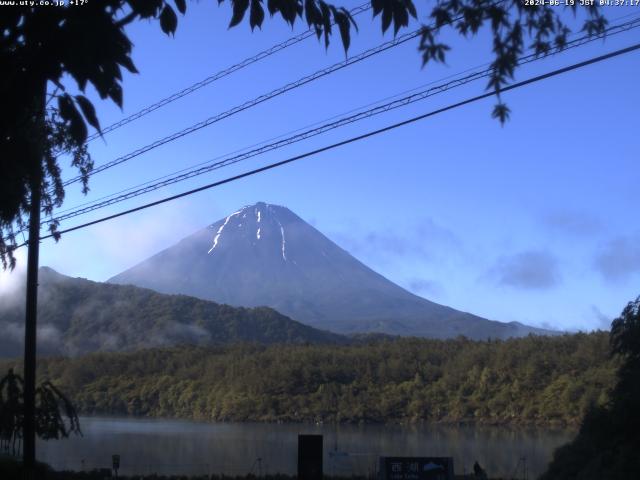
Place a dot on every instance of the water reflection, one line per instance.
(176, 446)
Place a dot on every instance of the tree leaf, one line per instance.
(441, 48)
(257, 14)
(411, 8)
(53, 230)
(312, 14)
(326, 22)
(127, 63)
(146, 8)
(239, 9)
(273, 6)
(181, 5)
(69, 113)
(351, 20)
(377, 6)
(289, 9)
(387, 16)
(115, 94)
(501, 112)
(441, 16)
(400, 17)
(88, 111)
(168, 20)
(343, 26)
(65, 107)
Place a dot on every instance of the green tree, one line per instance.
(324, 381)
(608, 442)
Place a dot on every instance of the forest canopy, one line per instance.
(533, 380)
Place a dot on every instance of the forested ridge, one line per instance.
(541, 380)
(78, 316)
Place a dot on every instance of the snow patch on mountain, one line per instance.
(284, 242)
(219, 232)
(284, 255)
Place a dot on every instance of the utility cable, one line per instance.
(262, 98)
(191, 172)
(372, 133)
(303, 135)
(252, 103)
(228, 71)
(217, 76)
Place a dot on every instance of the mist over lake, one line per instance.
(176, 446)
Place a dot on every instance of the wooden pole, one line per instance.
(31, 310)
(29, 429)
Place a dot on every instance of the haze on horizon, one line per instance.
(526, 222)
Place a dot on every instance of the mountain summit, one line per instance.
(264, 254)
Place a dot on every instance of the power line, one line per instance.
(293, 40)
(217, 76)
(380, 48)
(372, 133)
(266, 147)
(262, 98)
(252, 103)
(303, 135)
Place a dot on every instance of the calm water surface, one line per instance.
(177, 446)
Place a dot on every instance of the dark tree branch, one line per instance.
(126, 20)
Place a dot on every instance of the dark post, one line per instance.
(29, 429)
(310, 457)
(31, 311)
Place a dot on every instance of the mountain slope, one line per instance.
(266, 255)
(78, 316)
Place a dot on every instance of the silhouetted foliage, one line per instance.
(625, 334)
(38, 123)
(52, 408)
(608, 443)
(542, 380)
(11, 402)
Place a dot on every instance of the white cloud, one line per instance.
(103, 250)
(13, 281)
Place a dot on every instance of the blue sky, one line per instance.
(531, 221)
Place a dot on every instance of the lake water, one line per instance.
(178, 446)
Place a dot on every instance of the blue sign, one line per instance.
(416, 468)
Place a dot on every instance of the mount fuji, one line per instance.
(265, 255)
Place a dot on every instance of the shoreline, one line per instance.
(464, 423)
